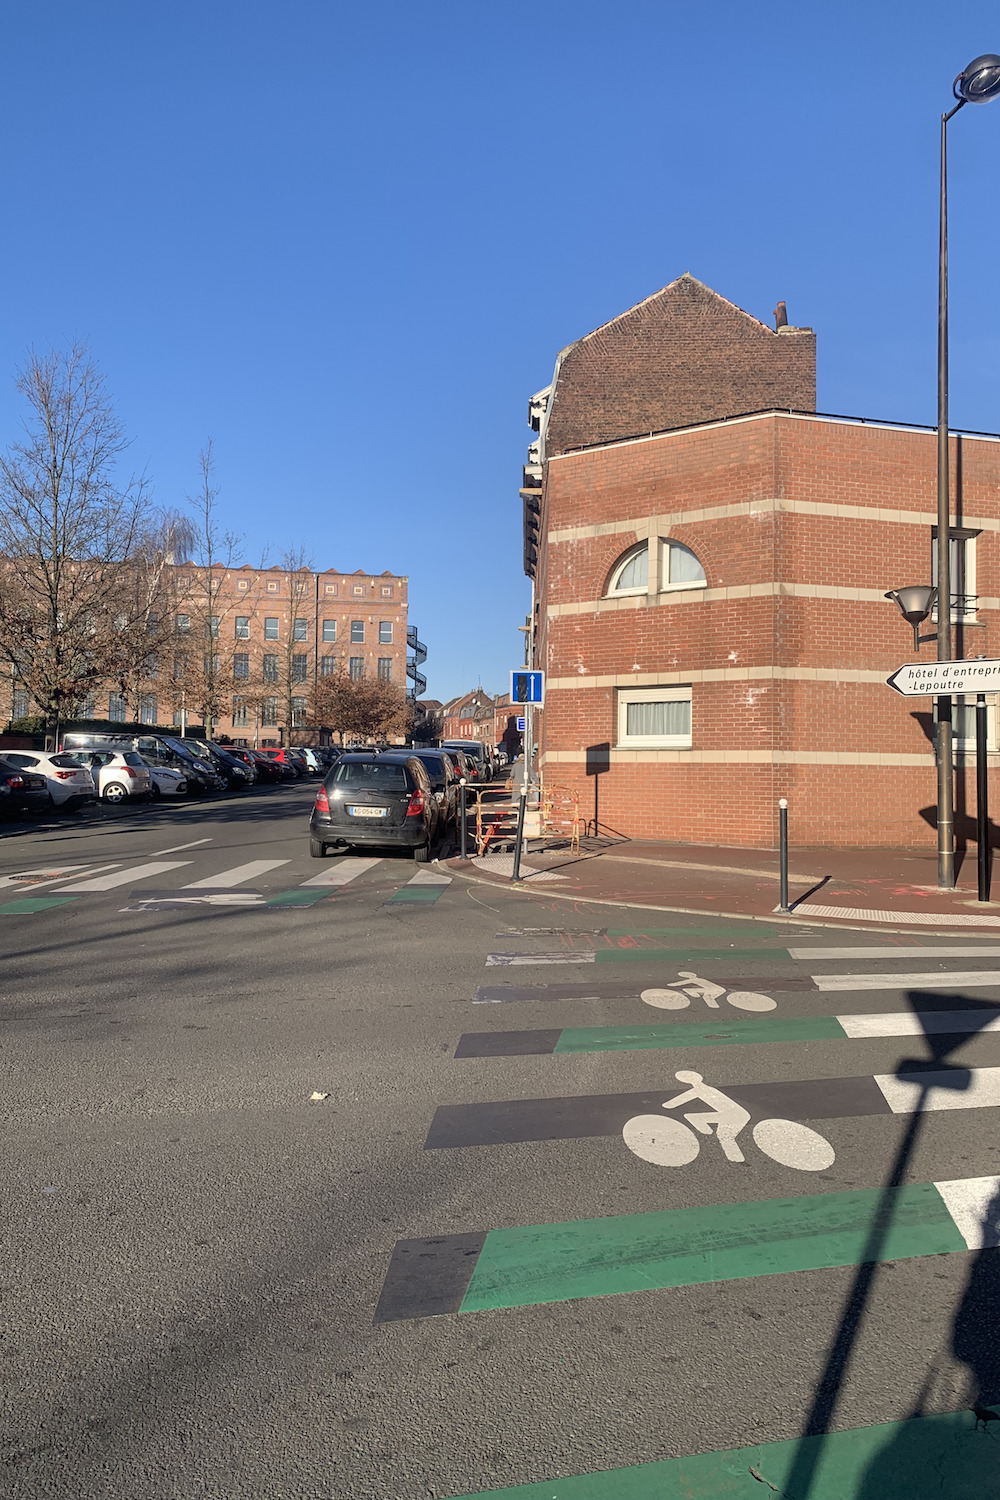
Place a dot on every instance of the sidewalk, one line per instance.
(897, 887)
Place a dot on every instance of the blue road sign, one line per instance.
(522, 724)
(527, 687)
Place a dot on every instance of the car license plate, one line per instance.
(367, 812)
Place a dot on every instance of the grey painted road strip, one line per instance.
(515, 1121)
(123, 877)
(226, 879)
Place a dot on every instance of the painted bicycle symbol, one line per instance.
(694, 988)
(666, 1141)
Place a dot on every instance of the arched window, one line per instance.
(631, 576)
(679, 568)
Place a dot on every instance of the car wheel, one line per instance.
(317, 848)
(422, 853)
(154, 792)
(114, 792)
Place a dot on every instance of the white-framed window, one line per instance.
(963, 722)
(678, 568)
(654, 718)
(148, 709)
(242, 627)
(962, 567)
(21, 706)
(241, 714)
(329, 630)
(631, 575)
(118, 708)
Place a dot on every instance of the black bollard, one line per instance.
(982, 800)
(783, 905)
(465, 846)
(523, 796)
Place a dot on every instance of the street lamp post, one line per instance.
(979, 83)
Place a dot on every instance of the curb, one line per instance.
(697, 911)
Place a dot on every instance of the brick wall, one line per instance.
(800, 524)
(682, 356)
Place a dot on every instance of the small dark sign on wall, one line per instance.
(598, 759)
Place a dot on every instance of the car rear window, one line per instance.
(383, 775)
(65, 762)
(131, 759)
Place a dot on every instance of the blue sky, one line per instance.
(347, 241)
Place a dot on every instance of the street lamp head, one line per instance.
(915, 603)
(980, 81)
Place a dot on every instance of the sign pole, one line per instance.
(945, 755)
(982, 808)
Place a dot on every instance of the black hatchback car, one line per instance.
(22, 790)
(375, 800)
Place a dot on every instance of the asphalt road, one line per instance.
(214, 1284)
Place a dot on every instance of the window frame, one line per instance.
(385, 632)
(964, 540)
(668, 693)
(329, 633)
(242, 627)
(613, 591)
(663, 565)
(272, 624)
(357, 633)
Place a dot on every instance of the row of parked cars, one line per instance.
(409, 799)
(142, 767)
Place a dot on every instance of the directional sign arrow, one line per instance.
(917, 678)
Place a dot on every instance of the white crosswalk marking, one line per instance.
(429, 877)
(123, 877)
(32, 879)
(936, 979)
(979, 1090)
(236, 876)
(927, 950)
(928, 1023)
(343, 872)
(968, 1200)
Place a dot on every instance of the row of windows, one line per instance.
(270, 663)
(300, 629)
(679, 568)
(273, 587)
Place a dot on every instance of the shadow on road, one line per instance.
(975, 1335)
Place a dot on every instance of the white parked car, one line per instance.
(69, 781)
(166, 782)
(120, 774)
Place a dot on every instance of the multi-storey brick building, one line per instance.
(255, 642)
(710, 568)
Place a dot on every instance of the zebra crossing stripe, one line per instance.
(238, 875)
(426, 887)
(889, 1459)
(343, 872)
(532, 1264)
(933, 979)
(124, 877)
(737, 1032)
(923, 950)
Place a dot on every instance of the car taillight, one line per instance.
(128, 771)
(322, 800)
(65, 775)
(16, 782)
(416, 804)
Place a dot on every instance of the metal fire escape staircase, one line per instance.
(418, 680)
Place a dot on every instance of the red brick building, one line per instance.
(710, 566)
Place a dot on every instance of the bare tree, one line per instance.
(71, 536)
(201, 671)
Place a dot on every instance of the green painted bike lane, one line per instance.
(941, 1456)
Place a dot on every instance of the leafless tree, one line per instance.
(72, 535)
(201, 669)
(296, 679)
